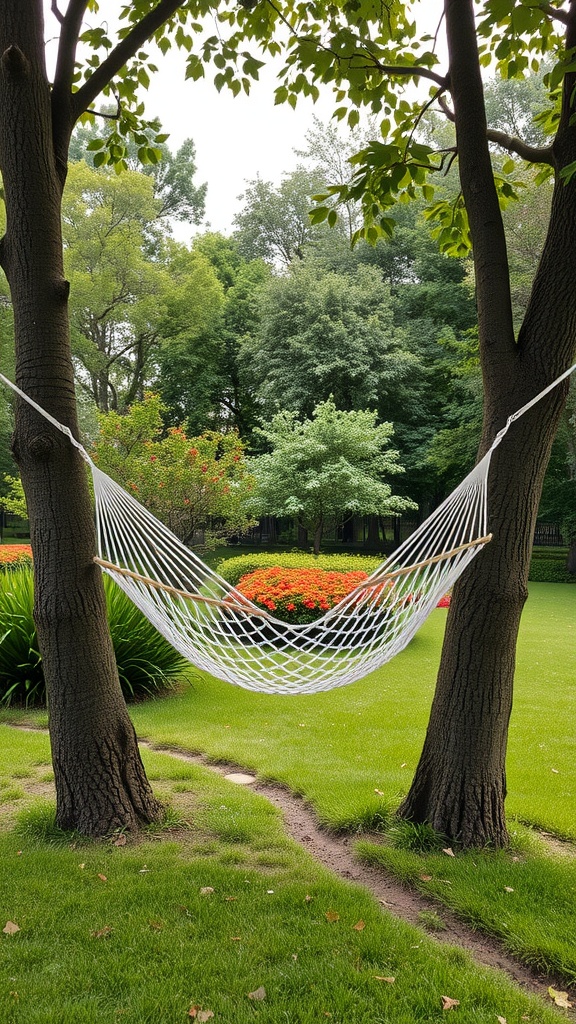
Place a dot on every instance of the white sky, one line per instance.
(237, 138)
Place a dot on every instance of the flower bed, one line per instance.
(298, 595)
(14, 556)
(302, 595)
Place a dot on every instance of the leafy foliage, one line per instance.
(14, 500)
(147, 663)
(190, 483)
(326, 468)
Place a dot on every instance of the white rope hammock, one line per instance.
(219, 630)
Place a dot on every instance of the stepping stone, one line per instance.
(240, 779)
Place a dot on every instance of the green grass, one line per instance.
(526, 897)
(337, 748)
(125, 933)
(340, 748)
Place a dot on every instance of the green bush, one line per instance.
(550, 569)
(147, 663)
(232, 569)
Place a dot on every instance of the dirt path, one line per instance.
(336, 853)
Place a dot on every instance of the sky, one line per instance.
(237, 139)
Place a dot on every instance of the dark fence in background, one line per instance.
(548, 535)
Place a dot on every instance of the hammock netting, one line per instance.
(235, 640)
(220, 631)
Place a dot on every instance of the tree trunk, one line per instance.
(100, 780)
(460, 783)
(318, 538)
(571, 560)
(373, 538)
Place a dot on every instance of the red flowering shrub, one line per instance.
(444, 602)
(15, 555)
(298, 595)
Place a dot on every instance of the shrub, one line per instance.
(550, 569)
(147, 663)
(232, 569)
(14, 556)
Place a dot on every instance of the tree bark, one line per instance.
(460, 782)
(100, 781)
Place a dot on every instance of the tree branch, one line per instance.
(385, 69)
(555, 13)
(71, 26)
(57, 13)
(118, 57)
(532, 154)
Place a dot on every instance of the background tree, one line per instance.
(193, 484)
(172, 173)
(117, 281)
(214, 310)
(274, 223)
(325, 469)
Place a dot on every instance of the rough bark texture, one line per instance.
(100, 780)
(460, 782)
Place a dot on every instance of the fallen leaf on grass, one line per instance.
(555, 770)
(103, 878)
(448, 1003)
(121, 841)
(508, 888)
(359, 926)
(308, 898)
(230, 899)
(501, 1020)
(449, 852)
(197, 1013)
(379, 792)
(560, 998)
(206, 890)
(11, 928)
(258, 994)
(332, 915)
(380, 977)
(425, 878)
(102, 933)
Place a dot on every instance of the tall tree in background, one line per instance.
(113, 259)
(172, 174)
(274, 223)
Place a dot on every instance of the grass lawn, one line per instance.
(337, 749)
(206, 915)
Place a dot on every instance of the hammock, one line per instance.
(220, 631)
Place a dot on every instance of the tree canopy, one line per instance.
(329, 467)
